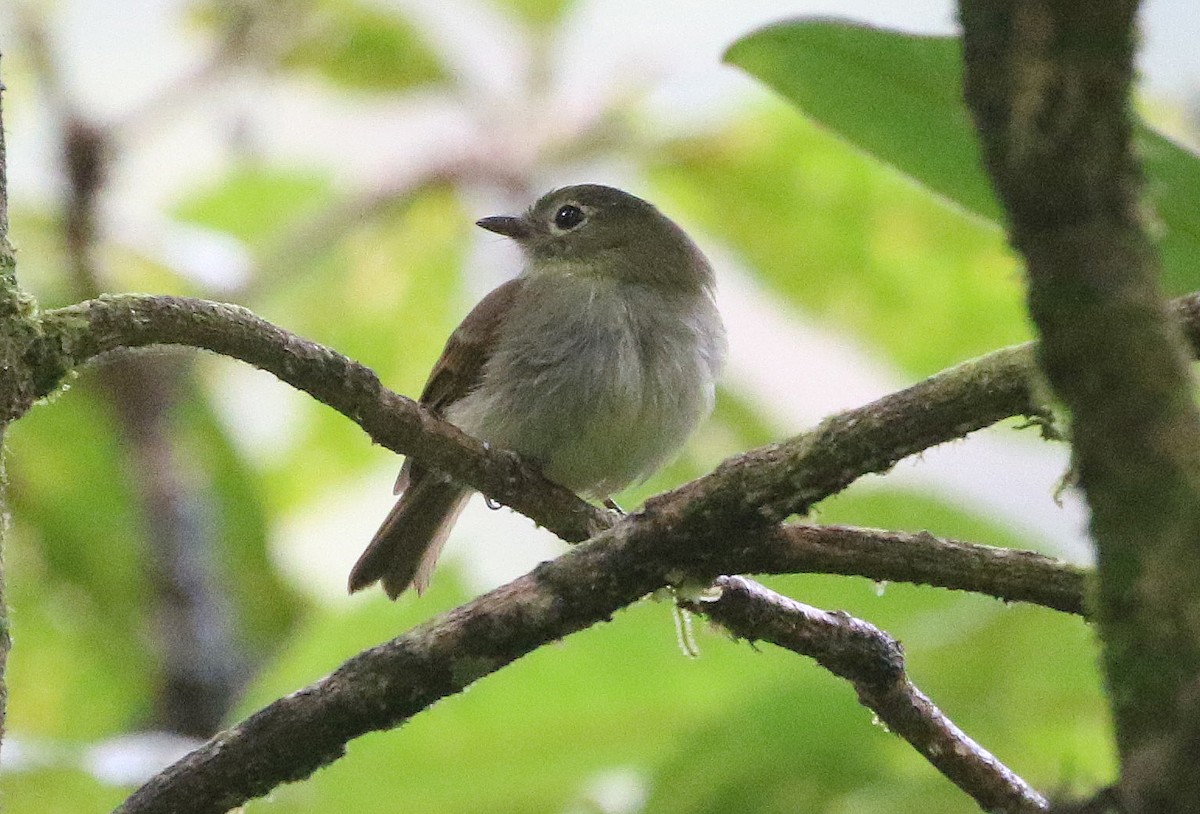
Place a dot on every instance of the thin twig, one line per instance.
(1011, 575)
(873, 663)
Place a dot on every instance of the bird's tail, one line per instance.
(406, 547)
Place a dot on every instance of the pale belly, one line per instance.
(602, 399)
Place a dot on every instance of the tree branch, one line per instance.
(11, 394)
(873, 662)
(701, 530)
(1049, 86)
(79, 333)
(76, 334)
(770, 483)
(941, 408)
(1008, 574)
(754, 490)
(384, 686)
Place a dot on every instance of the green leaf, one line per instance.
(387, 294)
(362, 47)
(540, 13)
(1173, 187)
(895, 96)
(254, 201)
(81, 667)
(898, 97)
(56, 790)
(848, 240)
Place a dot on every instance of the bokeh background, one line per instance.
(183, 525)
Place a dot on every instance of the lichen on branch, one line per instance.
(1049, 86)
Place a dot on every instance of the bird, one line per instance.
(594, 364)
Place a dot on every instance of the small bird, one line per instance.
(594, 364)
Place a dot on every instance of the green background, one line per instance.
(853, 197)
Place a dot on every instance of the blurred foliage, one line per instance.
(899, 98)
(254, 202)
(75, 581)
(357, 45)
(76, 538)
(754, 725)
(837, 235)
(58, 791)
(362, 46)
(537, 12)
(36, 235)
(264, 605)
(810, 208)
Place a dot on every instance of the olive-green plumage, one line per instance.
(595, 364)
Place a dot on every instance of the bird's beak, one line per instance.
(517, 228)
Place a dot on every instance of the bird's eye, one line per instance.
(568, 217)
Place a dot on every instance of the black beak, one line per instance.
(517, 228)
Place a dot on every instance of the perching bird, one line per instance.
(595, 364)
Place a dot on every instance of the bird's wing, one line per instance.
(460, 367)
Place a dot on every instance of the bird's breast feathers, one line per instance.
(606, 395)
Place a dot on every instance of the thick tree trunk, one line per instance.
(1049, 85)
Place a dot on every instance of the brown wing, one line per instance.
(460, 367)
(461, 364)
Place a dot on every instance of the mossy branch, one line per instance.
(873, 663)
(1049, 86)
(11, 396)
(756, 489)
(725, 522)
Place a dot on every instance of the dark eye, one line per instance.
(568, 217)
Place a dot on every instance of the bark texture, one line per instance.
(1049, 86)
